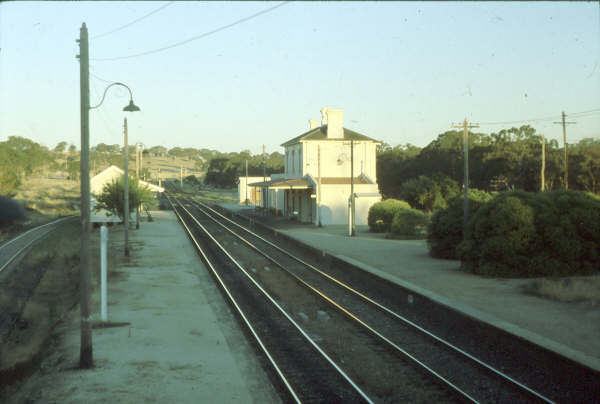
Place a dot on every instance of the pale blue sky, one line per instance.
(402, 72)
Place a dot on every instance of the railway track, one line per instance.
(12, 249)
(386, 356)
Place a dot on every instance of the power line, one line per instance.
(214, 31)
(100, 78)
(550, 118)
(134, 21)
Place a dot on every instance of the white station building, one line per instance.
(316, 185)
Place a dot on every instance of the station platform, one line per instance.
(182, 343)
(569, 329)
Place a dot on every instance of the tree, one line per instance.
(72, 148)
(61, 147)
(113, 196)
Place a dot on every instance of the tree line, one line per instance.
(510, 159)
(224, 169)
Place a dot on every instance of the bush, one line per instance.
(382, 213)
(429, 194)
(113, 196)
(10, 210)
(409, 223)
(519, 234)
(445, 230)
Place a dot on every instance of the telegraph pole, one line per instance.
(126, 199)
(564, 128)
(266, 192)
(543, 163)
(319, 185)
(86, 360)
(352, 199)
(466, 126)
(246, 200)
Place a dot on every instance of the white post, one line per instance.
(103, 256)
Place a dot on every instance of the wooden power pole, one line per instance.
(85, 352)
(564, 128)
(466, 126)
(543, 187)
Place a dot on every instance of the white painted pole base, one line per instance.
(103, 259)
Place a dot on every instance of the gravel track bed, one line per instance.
(556, 377)
(307, 371)
(379, 370)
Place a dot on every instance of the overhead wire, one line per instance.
(194, 38)
(580, 114)
(133, 22)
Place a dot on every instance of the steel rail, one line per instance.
(285, 314)
(378, 305)
(352, 316)
(237, 307)
(14, 256)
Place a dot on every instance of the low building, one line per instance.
(113, 173)
(320, 167)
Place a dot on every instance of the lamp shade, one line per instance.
(131, 107)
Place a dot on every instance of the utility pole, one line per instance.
(466, 126)
(137, 160)
(181, 177)
(246, 200)
(86, 360)
(319, 185)
(265, 189)
(352, 198)
(543, 163)
(564, 128)
(126, 203)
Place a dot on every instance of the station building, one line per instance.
(319, 167)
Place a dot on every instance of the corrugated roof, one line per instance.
(320, 133)
(296, 183)
(343, 180)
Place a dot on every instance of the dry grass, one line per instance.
(55, 261)
(50, 197)
(568, 290)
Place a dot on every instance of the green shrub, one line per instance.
(409, 223)
(382, 213)
(113, 196)
(444, 232)
(519, 234)
(429, 194)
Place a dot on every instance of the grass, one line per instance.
(567, 290)
(42, 291)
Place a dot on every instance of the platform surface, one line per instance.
(183, 344)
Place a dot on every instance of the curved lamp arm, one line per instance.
(109, 86)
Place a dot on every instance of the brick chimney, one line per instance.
(313, 123)
(335, 129)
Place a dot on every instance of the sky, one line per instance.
(403, 72)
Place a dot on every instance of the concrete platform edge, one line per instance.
(478, 315)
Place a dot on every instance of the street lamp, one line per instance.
(129, 108)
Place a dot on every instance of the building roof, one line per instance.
(320, 133)
(343, 180)
(296, 183)
(112, 171)
(304, 182)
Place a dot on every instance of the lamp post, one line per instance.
(86, 352)
(131, 107)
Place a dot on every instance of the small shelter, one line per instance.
(113, 173)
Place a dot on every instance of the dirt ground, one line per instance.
(37, 295)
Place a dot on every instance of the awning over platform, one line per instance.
(296, 183)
